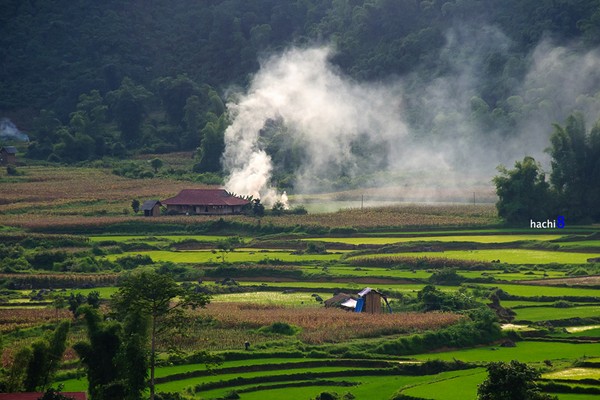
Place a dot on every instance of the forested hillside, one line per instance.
(88, 79)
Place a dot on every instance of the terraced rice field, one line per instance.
(509, 256)
(451, 238)
(208, 256)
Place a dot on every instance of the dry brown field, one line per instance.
(68, 196)
(324, 325)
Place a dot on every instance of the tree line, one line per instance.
(89, 80)
(573, 188)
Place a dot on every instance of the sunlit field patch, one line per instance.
(574, 374)
(577, 329)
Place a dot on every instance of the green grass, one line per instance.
(368, 388)
(207, 256)
(527, 351)
(509, 256)
(538, 290)
(178, 369)
(574, 374)
(580, 245)
(179, 385)
(382, 240)
(536, 314)
(159, 238)
(456, 385)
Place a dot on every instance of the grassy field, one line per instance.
(536, 314)
(209, 256)
(452, 238)
(528, 351)
(509, 256)
(456, 385)
(39, 200)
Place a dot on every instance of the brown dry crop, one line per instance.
(14, 318)
(69, 196)
(321, 325)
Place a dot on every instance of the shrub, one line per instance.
(280, 328)
(446, 276)
(327, 396)
(563, 304)
(131, 262)
(11, 170)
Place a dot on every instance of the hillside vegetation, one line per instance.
(88, 80)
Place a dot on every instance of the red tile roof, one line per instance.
(36, 396)
(205, 197)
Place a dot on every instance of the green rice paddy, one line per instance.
(453, 238)
(536, 314)
(526, 351)
(509, 256)
(209, 256)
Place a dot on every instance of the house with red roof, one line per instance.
(205, 202)
(37, 395)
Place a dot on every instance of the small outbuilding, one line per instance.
(341, 300)
(8, 155)
(151, 208)
(205, 202)
(368, 300)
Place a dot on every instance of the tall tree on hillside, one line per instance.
(128, 105)
(212, 146)
(157, 297)
(576, 168)
(174, 93)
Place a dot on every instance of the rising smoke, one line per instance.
(8, 131)
(328, 113)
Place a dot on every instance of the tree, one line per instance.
(16, 374)
(99, 354)
(576, 168)
(54, 394)
(523, 192)
(135, 205)
(128, 105)
(514, 380)
(45, 358)
(157, 297)
(156, 164)
(258, 210)
(174, 93)
(212, 145)
(227, 245)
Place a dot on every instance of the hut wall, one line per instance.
(372, 303)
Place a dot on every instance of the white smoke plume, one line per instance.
(319, 105)
(328, 113)
(9, 131)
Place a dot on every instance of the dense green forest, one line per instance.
(92, 79)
